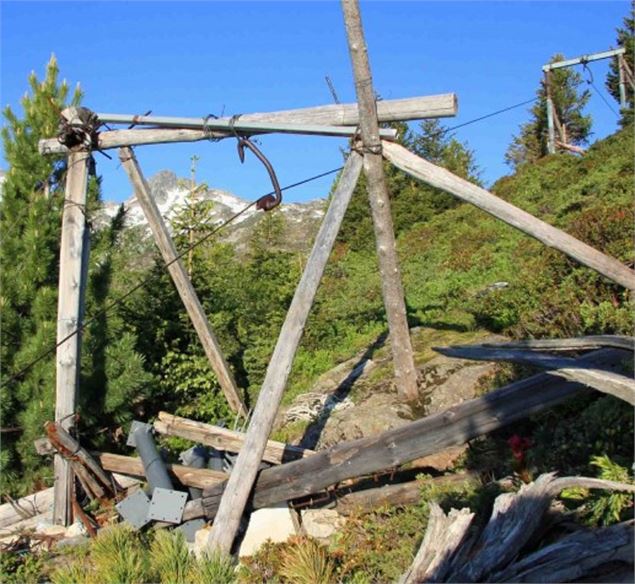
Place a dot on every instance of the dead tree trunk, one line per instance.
(405, 372)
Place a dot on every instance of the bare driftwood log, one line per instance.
(563, 345)
(609, 382)
(390, 449)
(224, 439)
(516, 517)
(26, 507)
(574, 556)
(444, 535)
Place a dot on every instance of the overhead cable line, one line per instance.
(143, 282)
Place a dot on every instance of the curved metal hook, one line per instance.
(267, 202)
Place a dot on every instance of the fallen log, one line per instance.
(390, 449)
(407, 493)
(493, 555)
(224, 439)
(614, 384)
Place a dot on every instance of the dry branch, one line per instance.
(551, 236)
(563, 345)
(224, 439)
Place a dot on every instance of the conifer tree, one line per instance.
(30, 216)
(626, 39)
(569, 101)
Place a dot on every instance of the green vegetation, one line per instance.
(464, 272)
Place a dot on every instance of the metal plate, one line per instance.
(167, 505)
(189, 528)
(134, 509)
(135, 424)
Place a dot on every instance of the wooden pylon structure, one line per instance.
(371, 145)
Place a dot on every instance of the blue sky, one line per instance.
(223, 58)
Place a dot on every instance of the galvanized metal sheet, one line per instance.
(134, 509)
(189, 528)
(167, 505)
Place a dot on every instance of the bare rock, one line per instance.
(376, 414)
(321, 523)
(271, 523)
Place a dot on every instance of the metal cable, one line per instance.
(143, 282)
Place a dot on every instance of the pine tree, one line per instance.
(626, 39)
(531, 142)
(30, 216)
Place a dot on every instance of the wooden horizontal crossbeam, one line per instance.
(392, 110)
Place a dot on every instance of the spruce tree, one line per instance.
(569, 101)
(626, 39)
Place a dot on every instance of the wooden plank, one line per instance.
(224, 439)
(392, 289)
(393, 448)
(614, 384)
(186, 475)
(389, 110)
(69, 312)
(244, 472)
(551, 236)
(182, 282)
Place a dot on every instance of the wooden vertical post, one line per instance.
(69, 314)
(622, 82)
(243, 474)
(405, 372)
(181, 281)
(551, 137)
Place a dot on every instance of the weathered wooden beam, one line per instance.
(456, 425)
(408, 493)
(69, 315)
(186, 475)
(551, 236)
(614, 384)
(224, 439)
(390, 110)
(182, 282)
(244, 472)
(26, 507)
(563, 345)
(392, 289)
